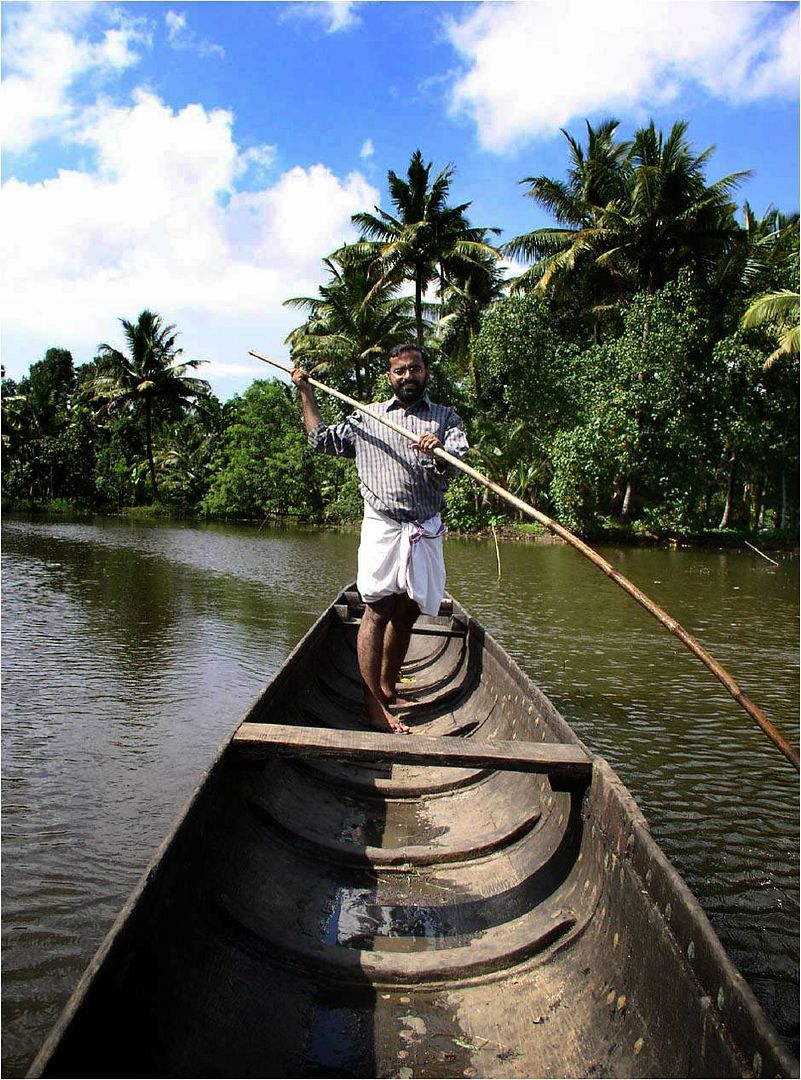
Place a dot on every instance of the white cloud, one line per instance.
(534, 66)
(161, 224)
(258, 159)
(176, 25)
(333, 15)
(180, 37)
(47, 50)
(368, 150)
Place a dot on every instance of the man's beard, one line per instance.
(409, 394)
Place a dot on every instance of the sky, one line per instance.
(201, 159)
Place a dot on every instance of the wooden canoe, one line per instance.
(480, 898)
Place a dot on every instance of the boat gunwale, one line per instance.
(640, 854)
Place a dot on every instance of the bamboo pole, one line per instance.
(675, 628)
(762, 553)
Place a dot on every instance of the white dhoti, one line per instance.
(401, 557)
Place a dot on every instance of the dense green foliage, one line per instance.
(641, 375)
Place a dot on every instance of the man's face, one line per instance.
(408, 376)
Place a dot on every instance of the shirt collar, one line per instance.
(424, 401)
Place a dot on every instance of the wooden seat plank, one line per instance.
(426, 631)
(556, 759)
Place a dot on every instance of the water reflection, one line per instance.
(130, 650)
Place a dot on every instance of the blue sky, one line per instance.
(201, 159)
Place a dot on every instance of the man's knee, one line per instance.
(406, 609)
(381, 611)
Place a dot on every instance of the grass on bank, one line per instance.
(608, 532)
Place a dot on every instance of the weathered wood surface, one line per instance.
(555, 759)
(424, 631)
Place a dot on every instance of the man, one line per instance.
(401, 570)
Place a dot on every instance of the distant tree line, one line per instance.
(640, 374)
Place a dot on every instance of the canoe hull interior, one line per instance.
(320, 917)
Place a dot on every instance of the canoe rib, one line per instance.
(563, 760)
(494, 950)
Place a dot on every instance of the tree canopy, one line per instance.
(641, 374)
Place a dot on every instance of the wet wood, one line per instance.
(555, 759)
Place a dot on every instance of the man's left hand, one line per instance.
(427, 444)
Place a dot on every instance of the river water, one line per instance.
(130, 650)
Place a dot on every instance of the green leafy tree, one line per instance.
(463, 306)
(756, 416)
(525, 355)
(37, 415)
(150, 378)
(264, 464)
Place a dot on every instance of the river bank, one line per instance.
(632, 535)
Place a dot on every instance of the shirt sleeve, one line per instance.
(454, 442)
(336, 439)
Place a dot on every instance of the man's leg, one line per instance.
(370, 653)
(397, 636)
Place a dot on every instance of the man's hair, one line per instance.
(406, 346)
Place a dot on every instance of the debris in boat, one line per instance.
(416, 1024)
(479, 1045)
(508, 1055)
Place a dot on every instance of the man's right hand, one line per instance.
(311, 412)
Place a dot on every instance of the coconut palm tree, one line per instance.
(352, 322)
(595, 180)
(777, 312)
(671, 217)
(425, 241)
(765, 259)
(462, 307)
(150, 377)
(631, 215)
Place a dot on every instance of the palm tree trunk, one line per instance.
(149, 440)
(418, 307)
(745, 508)
(475, 376)
(725, 521)
(628, 498)
(759, 502)
(617, 497)
(359, 388)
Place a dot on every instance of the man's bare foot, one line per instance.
(380, 719)
(402, 703)
(393, 698)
